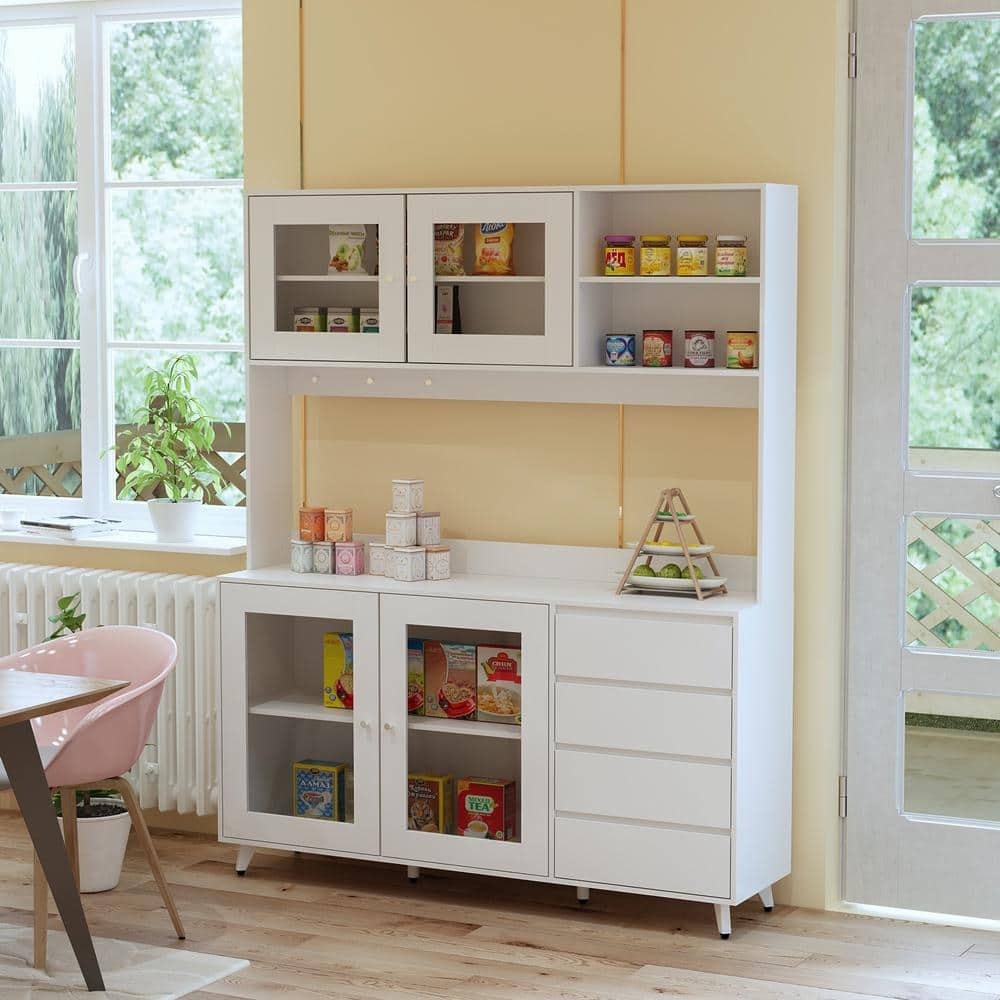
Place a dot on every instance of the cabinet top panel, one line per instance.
(512, 189)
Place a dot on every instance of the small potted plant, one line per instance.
(169, 448)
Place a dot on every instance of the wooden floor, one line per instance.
(325, 928)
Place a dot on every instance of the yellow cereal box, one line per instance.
(318, 789)
(430, 803)
(338, 670)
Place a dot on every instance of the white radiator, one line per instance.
(178, 770)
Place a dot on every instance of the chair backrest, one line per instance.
(102, 740)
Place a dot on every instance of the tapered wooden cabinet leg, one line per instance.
(41, 916)
(139, 822)
(243, 858)
(723, 920)
(67, 799)
(767, 898)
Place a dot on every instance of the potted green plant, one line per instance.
(168, 447)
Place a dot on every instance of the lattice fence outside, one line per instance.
(953, 583)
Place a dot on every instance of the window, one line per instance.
(121, 238)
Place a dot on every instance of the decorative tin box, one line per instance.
(322, 557)
(376, 558)
(411, 563)
(339, 525)
(350, 558)
(400, 529)
(311, 524)
(302, 556)
(407, 495)
(438, 562)
(428, 528)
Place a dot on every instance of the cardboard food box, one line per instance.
(487, 808)
(449, 680)
(498, 695)
(415, 676)
(338, 670)
(341, 320)
(319, 789)
(368, 320)
(430, 803)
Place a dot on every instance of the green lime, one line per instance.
(686, 573)
(643, 570)
(671, 571)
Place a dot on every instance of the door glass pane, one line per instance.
(952, 756)
(956, 129)
(40, 423)
(464, 733)
(300, 692)
(37, 103)
(953, 583)
(954, 415)
(176, 99)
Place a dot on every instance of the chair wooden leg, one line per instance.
(139, 822)
(41, 916)
(67, 798)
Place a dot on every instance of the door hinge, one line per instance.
(842, 796)
(852, 55)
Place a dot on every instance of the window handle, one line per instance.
(78, 262)
(996, 491)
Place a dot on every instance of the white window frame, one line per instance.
(90, 20)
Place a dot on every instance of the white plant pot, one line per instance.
(102, 841)
(174, 521)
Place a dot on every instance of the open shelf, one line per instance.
(488, 279)
(301, 705)
(465, 727)
(629, 279)
(349, 277)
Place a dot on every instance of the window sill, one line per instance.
(137, 541)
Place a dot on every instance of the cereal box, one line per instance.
(430, 803)
(498, 698)
(338, 670)
(449, 680)
(487, 808)
(318, 789)
(415, 676)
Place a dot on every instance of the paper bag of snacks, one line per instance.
(495, 248)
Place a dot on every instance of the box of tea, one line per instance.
(319, 789)
(338, 670)
(449, 680)
(430, 802)
(487, 808)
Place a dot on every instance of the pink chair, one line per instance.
(92, 747)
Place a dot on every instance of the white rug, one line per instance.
(130, 970)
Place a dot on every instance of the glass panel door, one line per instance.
(465, 733)
(326, 277)
(300, 716)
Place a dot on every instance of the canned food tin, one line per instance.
(619, 349)
(438, 562)
(741, 349)
(400, 529)
(699, 348)
(657, 348)
(339, 525)
(311, 524)
(322, 557)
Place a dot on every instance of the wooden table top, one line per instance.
(26, 695)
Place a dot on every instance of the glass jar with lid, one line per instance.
(654, 254)
(619, 254)
(731, 256)
(692, 255)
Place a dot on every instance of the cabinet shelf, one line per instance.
(669, 279)
(300, 705)
(488, 279)
(348, 278)
(464, 727)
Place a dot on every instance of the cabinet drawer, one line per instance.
(644, 857)
(616, 648)
(676, 722)
(643, 788)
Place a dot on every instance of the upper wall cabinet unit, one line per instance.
(327, 277)
(499, 273)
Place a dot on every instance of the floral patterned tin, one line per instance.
(339, 524)
(428, 527)
(391, 562)
(377, 552)
(322, 557)
(302, 556)
(411, 563)
(400, 529)
(438, 562)
(311, 524)
(407, 496)
(350, 558)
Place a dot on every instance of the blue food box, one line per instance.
(619, 349)
(319, 789)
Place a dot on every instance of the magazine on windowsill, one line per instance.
(69, 527)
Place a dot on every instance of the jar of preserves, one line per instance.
(619, 254)
(692, 255)
(654, 254)
(731, 256)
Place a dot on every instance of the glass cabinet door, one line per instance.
(326, 277)
(300, 718)
(490, 278)
(465, 757)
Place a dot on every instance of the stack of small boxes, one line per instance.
(325, 543)
(412, 549)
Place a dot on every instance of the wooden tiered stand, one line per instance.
(665, 511)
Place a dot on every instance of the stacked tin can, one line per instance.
(325, 543)
(412, 549)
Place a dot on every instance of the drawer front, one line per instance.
(643, 788)
(685, 723)
(616, 648)
(643, 857)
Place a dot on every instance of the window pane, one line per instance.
(38, 242)
(955, 378)
(176, 99)
(956, 129)
(177, 264)
(40, 421)
(37, 104)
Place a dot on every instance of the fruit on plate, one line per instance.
(686, 573)
(671, 572)
(665, 544)
(643, 571)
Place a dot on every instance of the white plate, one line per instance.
(670, 517)
(676, 550)
(674, 585)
